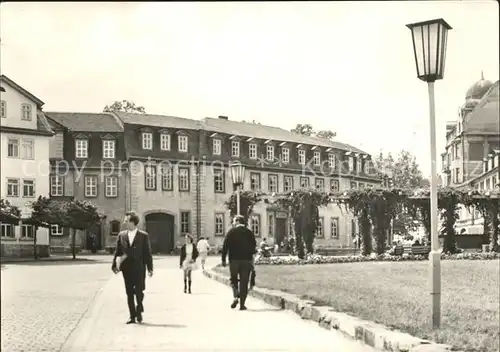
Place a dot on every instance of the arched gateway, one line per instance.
(160, 227)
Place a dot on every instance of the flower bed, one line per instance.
(320, 259)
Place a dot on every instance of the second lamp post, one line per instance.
(238, 175)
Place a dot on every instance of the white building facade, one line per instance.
(25, 169)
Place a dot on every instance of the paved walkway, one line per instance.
(203, 321)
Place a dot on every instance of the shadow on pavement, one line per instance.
(179, 326)
(264, 310)
(52, 262)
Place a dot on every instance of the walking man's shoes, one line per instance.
(235, 303)
(243, 308)
(131, 321)
(139, 317)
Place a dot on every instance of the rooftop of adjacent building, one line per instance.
(86, 122)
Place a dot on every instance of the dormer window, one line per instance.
(165, 141)
(81, 148)
(26, 112)
(235, 149)
(183, 143)
(359, 164)
(147, 140)
(351, 163)
(252, 151)
(331, 160)
(317, 157)
(302, 157)
(216, 146)
(285, 155)
(270, 152)
(108, 149)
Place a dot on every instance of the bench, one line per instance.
(399, 250)
(421, 250)
(332, 252)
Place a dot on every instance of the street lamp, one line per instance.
(238, 175)
(429, 46)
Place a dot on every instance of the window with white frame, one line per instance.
(3, 108)
(108, 149)
(81, 148)
(219, 224)
(319, 184)
(216, 146)
(302, 157)
(13, 148)
(185, 217)
(27, 231)
(90, 186)
(334, 186)
(183, 179)
(183, 144)
(287, 183)
(255, 224)
(252, 151)
(26, 112)
(150, 177)
(28, 149)
(317, 158)
(12, 187)
(331, 160)
(219, 184)
(270, 225)
(28, 188)
(255, 181)
(270, 152)
(351, 163)
(167, 178)
(235, 149)
(147, 140)
(56, 185)
(285, 155)
(304, 182)
(334, 227)
(111, 189)
(273, 183)
(56, 230)
(164, 141)
(320, 231)
(359, 164)
(8, 231)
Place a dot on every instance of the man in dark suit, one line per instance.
(133, 251)
(241, 245)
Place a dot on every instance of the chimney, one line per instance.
(223, 117)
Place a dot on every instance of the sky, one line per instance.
(343, 66)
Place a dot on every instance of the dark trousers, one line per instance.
(134, 286)
(241, 269)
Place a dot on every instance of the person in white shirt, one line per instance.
(203, 248)
(189, 253)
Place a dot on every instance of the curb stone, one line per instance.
(369, 333)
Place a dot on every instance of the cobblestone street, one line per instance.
(52, 308)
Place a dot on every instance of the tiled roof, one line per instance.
(158, 120)
(21, 90)
(41, 123)
(86, 122)
(485, 117)
(270, 132)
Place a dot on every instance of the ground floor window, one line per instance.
(8, 230)
(27, 231)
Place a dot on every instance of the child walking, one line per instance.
(189, 253)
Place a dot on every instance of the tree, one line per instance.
(9, 214)
(68, 213)
(248, 200)
(125, 106)
(308, 130)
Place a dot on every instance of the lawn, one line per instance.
(396, 295)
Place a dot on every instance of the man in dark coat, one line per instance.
(241, 245)
(132, 257)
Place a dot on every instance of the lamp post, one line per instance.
(429, 46)
(238, 175)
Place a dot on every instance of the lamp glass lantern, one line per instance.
(237, 173)
(429, 45)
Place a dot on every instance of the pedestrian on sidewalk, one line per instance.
(240, 244)
(133, 254)
(189, 253)
(203, 248)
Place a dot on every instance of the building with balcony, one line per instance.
(88, 162)
(25, 137)
(179, 177)
(472, 148)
